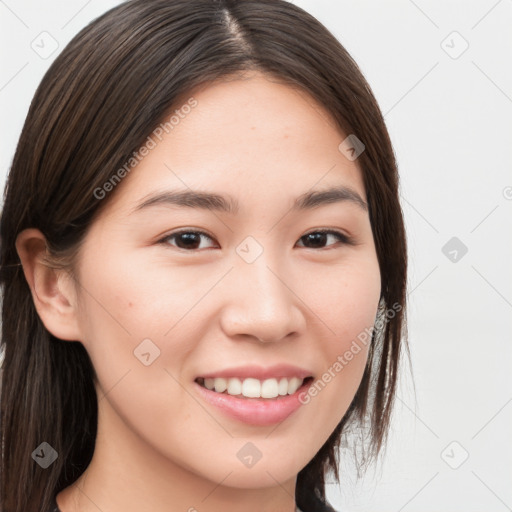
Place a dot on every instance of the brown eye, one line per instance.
(186, 240)
(318, 239)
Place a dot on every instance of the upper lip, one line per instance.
(259, 372)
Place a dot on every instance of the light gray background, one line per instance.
(450, 119)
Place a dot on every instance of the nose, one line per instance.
(260, 303)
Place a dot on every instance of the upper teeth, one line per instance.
(254, 388)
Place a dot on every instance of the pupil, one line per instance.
(189, 238)
(318, 238)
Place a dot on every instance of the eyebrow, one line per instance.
(215, 202)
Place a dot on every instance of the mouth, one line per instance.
(255, 395)
(272, 388)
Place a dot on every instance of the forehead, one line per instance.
(249, 138)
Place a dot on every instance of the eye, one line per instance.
(186, 239)
(321, 236)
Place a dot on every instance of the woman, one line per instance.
(203, 262)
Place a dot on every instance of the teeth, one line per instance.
(294, 384)
(251, 388)
(220, 385)
(234, 386)
(283, 387)
(254, 388)
(269, 388)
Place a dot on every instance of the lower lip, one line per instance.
(255, 411)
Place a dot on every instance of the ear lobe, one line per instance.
(52, 290)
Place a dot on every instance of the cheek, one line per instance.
(135, 313)
(134, 299)
(347, 310)
(345, 299)
(124, 317)
(353, 323)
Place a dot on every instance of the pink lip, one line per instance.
(254, 411)
(260, 372)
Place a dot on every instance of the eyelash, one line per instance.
(344, 239)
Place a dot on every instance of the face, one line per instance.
(175, 298)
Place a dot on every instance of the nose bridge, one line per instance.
(260, 302)
(265, 288)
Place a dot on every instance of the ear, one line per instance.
(53, 291)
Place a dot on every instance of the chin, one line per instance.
(281, 467)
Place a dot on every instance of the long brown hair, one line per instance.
(96, 105)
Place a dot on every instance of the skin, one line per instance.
(159, 447)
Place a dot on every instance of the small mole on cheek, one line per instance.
(130, 304)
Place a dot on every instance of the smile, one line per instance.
(255, 395)
(251, 387)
